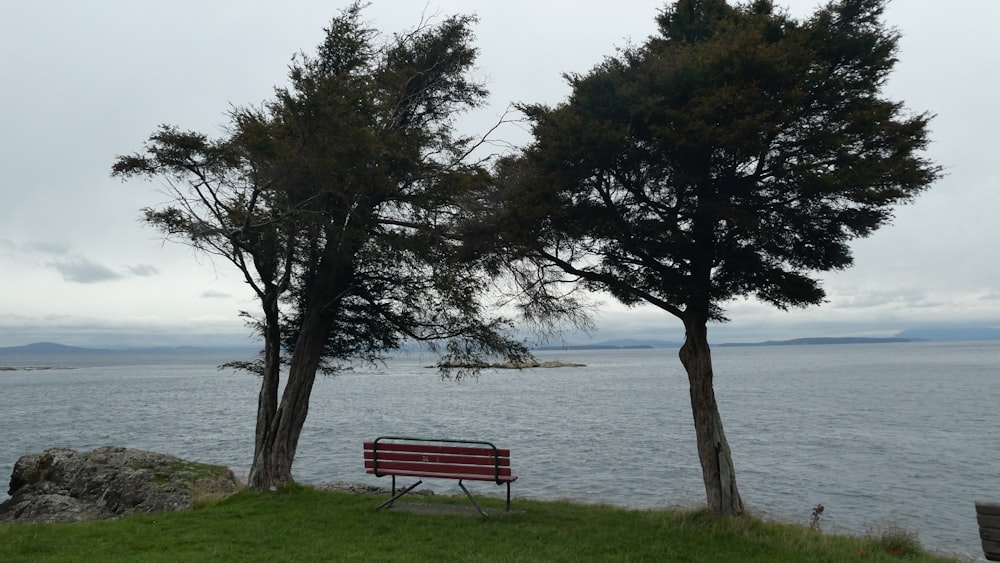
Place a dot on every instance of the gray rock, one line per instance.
(63, 485)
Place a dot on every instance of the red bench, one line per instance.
(464, 460)
(988, 515)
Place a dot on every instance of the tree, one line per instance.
(339, 202)
(733, 154)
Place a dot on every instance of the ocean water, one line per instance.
(880, 434)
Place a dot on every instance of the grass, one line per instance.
(188, 471)
(298, 523)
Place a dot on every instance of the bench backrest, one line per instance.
(445, 458)
(988, 516)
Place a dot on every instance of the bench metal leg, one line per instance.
(396, 496)
(468, 494)
(508, 496)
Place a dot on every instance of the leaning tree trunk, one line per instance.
(332, 279)
(277, 451)
(267, 400)
(713, 450)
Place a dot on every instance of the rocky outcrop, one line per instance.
(64, 485)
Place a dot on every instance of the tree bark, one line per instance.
(713, 449)
(267, 401)
(278, 440)
(276, 450)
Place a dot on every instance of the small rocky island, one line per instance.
(64, 485)
(510, 365)
(31, 368)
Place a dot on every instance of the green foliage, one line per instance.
(189, 471)
(894, 540)
(301, 524)
(732, 155)
(338, 198)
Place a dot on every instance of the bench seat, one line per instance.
(433, 475)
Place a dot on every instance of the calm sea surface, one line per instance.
(880, 434)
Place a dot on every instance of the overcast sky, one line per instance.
(86, 81)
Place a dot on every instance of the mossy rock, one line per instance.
(63, 485)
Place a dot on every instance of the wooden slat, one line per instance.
(991, 550)
(438, 458)
(432, 475)
(988, 516)
(436, 448)
(447, 460)
(441, 468)
(988, 507)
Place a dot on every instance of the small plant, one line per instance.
(814, 521)
(206, 492)
(894, 540)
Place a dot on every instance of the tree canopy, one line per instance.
(339, 201)
(732, 155)
(735, 153)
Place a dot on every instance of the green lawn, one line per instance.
(303, 524)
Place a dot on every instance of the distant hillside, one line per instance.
(634, 343)
(49, 349)
(946, 334)
(951, 334)
(54, 349)
(626, 343)
(813, 341)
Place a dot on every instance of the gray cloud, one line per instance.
(908, 297)
(210, 294)
(81, 270)
(7, 248)
(143, 270)
(48, 247)
(77, 269)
